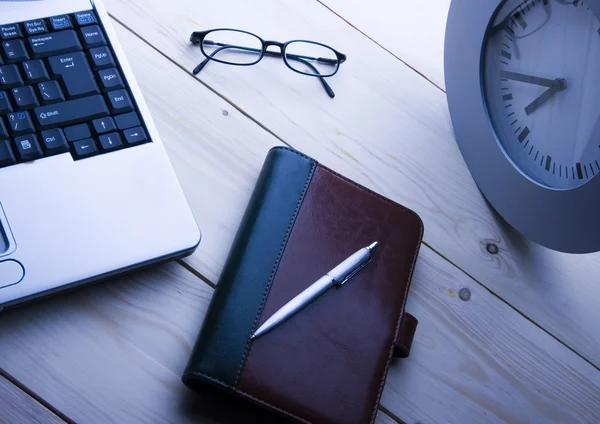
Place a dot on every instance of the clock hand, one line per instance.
(529, 79)
(559, 85)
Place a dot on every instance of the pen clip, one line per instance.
(356, 271)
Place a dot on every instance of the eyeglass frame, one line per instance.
(198, 37)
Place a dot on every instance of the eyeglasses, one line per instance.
(241, 48)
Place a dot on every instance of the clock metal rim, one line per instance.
(562, 220)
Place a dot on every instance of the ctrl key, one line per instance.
(54, 142)
(7, 156)
(85, 148)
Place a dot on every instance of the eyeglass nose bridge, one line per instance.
(268, 44)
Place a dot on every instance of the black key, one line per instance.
(74, 71)
(28, 148)
(60, 22)
(110, 142)
(5, 105)
(14, 51)
(20, 123)
(35, 27)
(50, 92)
(53, 44)
(86, 18)
(25, 98)
(71, 112)
(135, 136)
(8, 32)
(92, 37)
(103, 125)
(110, 79)
(35, 71)
(10, 77)
(54, 142)
(128, 120)
(101, 58)
(119, 101)
(3, 131)
(77, 132)
(85, 149)
(7, 157)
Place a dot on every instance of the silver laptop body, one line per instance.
(65, 222)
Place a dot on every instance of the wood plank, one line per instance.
(16, 406)
(493, 365)
(115, 352)
(112, 352)
(413, 31)
(389, 129)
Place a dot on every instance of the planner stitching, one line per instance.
(296, 152)
(276, 264)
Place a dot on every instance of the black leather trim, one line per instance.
(221, 349)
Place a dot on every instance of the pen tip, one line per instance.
(373, 246)
(252, 337)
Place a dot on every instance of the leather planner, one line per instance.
(328, 363)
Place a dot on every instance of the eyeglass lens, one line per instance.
(233, 47)
(311, 58)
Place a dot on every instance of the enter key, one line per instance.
(74, 71)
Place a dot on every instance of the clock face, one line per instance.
(541, 77)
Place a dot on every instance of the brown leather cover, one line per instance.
(328, 364)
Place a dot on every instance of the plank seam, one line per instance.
(391, 415)
(496, 295)
(35, 397)
(374, 41)
(197, 273)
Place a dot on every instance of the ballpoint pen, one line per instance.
(337, 276)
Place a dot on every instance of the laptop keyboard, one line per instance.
(62, 91)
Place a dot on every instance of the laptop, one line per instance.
(86, 188)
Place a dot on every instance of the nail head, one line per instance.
(492, 249)
(464, 294)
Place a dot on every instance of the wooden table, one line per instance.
(509, 331)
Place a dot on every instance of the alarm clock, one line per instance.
(523, 87)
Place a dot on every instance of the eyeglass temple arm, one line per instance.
(201, 66)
